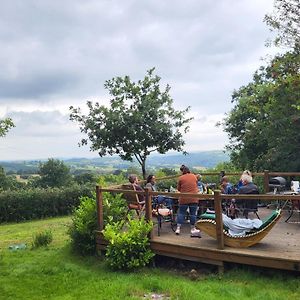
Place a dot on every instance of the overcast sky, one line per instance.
(57, 53)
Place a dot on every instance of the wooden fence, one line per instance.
(217, 197)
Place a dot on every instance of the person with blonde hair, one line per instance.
(240, 183)
(248, 187)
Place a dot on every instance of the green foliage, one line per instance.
(42, 239)
(110, 179)
(114, 208)
(9, 182)
(84, 224)
(264, 125)
(84, 221)
(16, 206)
(57, 274)
(5, 125)
(86, 178)
(140, 120)
(169, 171)
(54, 173)
(285, 20)
(167, 183)
(128, 246)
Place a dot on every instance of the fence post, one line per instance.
(148, 204)
(99, 198)
(266, 181)
(219, 219)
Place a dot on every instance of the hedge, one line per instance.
(16, 206)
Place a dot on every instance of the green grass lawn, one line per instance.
(55, 273)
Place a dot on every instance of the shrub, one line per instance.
(84, 221)
(114, 208)
(37, 203)
(84, 224)
(128, 246)
(42, 239)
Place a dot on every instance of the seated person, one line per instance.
(133, 179)
(230, 205)
(248, 187)
(239, 227)
(240, 183)
(160, 199)
(226, 186)
(201, 185)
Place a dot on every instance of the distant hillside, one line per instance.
(205, 159)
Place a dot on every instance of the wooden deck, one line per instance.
(280, 249)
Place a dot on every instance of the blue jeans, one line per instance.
(193, 207)
(164, 200)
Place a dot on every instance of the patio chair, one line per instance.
(295, 207)
(164, 214)
(207, 224)
(133, 200)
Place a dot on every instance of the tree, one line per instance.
(54, 173)
(140, 120)
(9, 182)
(5, 125)
(286, 21)
(264, 125)
(85, 178)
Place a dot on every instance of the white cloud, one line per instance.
(55, 54)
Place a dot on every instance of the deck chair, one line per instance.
(246, 207)
(295, 207)
(164, 214)
(133, 200)
(207, 224)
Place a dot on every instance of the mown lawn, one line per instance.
(56, 273)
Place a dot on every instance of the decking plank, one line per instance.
(280, 249)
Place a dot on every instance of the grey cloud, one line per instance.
(41, 124)
(97, 40)
(35, 86)
(54, 53)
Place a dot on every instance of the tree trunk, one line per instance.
(144, 168)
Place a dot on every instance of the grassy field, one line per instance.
(55, 273)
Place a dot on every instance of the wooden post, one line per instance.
(148, 204)
(219, 219)
(99, 197)
(266, 181)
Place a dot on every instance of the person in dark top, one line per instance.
(160, 199)
(226, 186)
(248, 187)
(240, 183)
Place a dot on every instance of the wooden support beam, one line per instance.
(148, 209)
(99, 198)
(266, 181)
(219, 219)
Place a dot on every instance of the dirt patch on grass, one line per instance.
(188, 269)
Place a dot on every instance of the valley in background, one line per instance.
(100, 165)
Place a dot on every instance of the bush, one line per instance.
(128, 246)
(84, 224)
(84, 221)
(114, 208)
(40, 203)
(43, 238)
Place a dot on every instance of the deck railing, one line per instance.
(217, 198)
